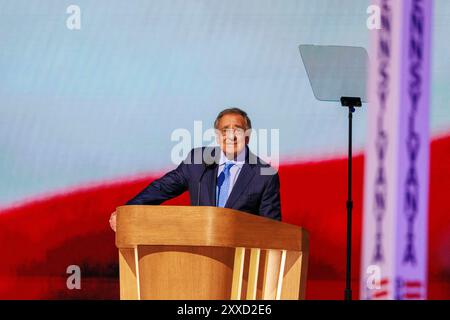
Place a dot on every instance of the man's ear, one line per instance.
(247, 135)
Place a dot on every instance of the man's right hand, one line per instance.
(112, 221)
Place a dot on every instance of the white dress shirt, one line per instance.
(234, 170)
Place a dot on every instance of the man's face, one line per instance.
(231, 134)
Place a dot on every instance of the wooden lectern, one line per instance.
(175, 252)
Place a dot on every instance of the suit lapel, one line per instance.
(244, 178)
(210, 185)
(211, 177)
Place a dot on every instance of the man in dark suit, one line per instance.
(227, 176)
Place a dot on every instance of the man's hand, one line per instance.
(112, 221)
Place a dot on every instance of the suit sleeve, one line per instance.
(270, 202)
(169, 186)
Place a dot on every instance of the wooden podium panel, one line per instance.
(174, 252)
(176, 272)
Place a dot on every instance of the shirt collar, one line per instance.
(240, 159)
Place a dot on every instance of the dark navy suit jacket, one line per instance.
(256, 190)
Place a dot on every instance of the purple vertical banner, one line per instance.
(395, 219)
(411, 262)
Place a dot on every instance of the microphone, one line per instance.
(207, 166)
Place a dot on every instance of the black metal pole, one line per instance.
(348, 276)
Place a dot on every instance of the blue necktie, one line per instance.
(223, 185)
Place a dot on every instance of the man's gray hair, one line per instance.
(233, 111)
